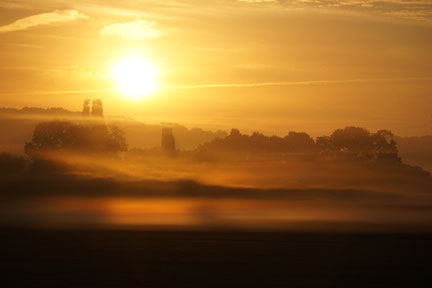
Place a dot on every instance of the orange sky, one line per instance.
(272, 66)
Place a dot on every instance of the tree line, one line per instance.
(94, 138)
(354, 142)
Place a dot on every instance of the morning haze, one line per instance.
(316, 63)
(256, 143)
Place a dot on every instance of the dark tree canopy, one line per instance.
(235, 141)
(385, 145)
(358, 142)
(299, 141)
(63, 135)
(353, 142)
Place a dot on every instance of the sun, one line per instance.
(135, 77)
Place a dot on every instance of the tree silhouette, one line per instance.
(354, 141)
(117, 139)
(360, 143)
(67, 136)
(323, 143)
(257, 142)
(385, 146)
(86, 108)
(97, 108)
(299, 141)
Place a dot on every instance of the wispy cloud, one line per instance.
(136, 30)
(229, 85)
(59, 92)
(57, 16)
(298, 83)
(258, 1)
(420, 10)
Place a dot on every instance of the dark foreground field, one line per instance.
(46, 258)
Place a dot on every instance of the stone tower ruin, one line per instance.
(168, 142)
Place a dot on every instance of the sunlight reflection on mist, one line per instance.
(145, 191)
(181, 213)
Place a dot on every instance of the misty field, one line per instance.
(215, 143)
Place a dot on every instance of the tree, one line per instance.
(353, 141)
(360, 143)
(86, 108)
(257, 142)
(323, 143)
(385, 146)
(299, 141)
(117, 140)
(235, 133)
(97, 108)
(68, 136)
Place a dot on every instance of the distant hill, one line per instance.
(141, 135)
(416, 151)
(16, 127)
(37, 111)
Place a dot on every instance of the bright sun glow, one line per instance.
(135, 77)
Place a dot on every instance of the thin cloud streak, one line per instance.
(230, 85)
(258, 1)
(297, 83)
(56, 16)
(60, 92)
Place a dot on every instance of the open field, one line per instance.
(79, 258)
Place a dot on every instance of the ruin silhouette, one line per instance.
(168, 142)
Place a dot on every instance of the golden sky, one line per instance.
(272, 66)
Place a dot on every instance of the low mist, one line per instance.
(83, 173)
